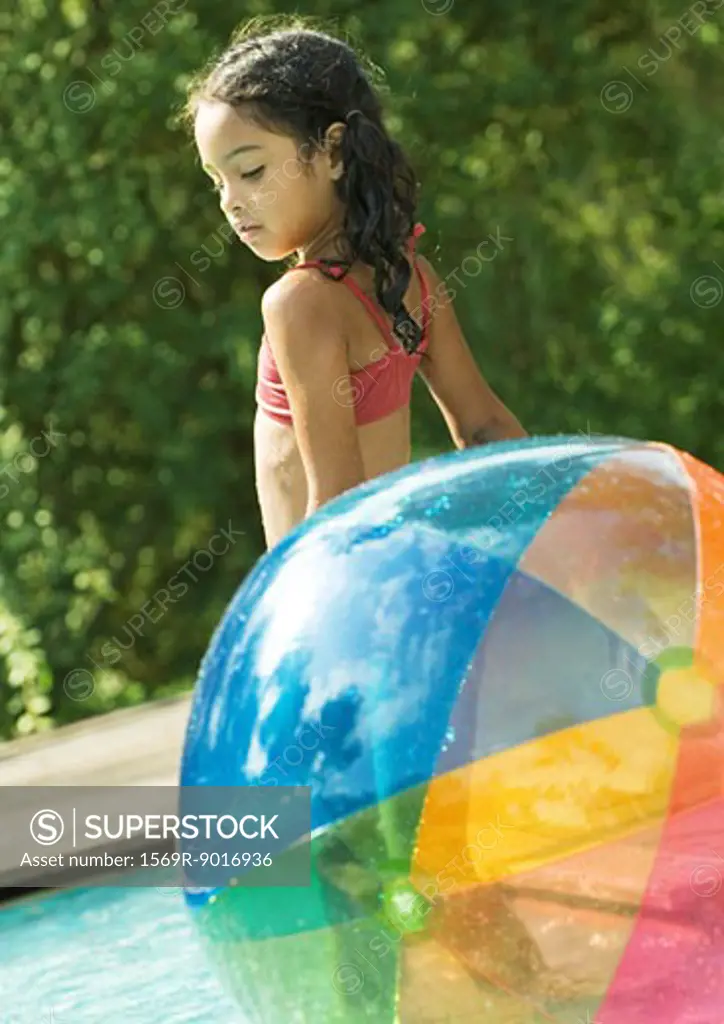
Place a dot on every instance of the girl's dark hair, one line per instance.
(300, 81)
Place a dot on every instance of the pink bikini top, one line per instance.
(375, 390)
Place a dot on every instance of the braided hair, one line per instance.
(301, 81)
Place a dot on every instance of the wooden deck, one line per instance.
(135, 747)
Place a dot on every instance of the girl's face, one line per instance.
(278, 197)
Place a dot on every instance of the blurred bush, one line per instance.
(571, 163)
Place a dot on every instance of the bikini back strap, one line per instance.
(338, 271)
(425, 304)
(419, 230)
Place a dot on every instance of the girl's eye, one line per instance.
(248, 176)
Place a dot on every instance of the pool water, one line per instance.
(106, 956)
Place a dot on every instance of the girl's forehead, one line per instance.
(224, 132)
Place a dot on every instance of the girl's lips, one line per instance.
(243, 230)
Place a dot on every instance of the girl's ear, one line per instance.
(332, 148)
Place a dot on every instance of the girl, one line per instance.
(290, 130)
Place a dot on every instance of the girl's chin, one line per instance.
(274, 256)
(265, 249)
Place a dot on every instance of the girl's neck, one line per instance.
(327, 244)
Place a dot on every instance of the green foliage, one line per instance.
(571, 164)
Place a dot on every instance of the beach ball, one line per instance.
(499, 673)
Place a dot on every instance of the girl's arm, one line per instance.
(473, 412)
(304, 328)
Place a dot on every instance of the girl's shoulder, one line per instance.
(299, 292)
(302, 301)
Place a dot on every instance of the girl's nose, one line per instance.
(231, 200)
